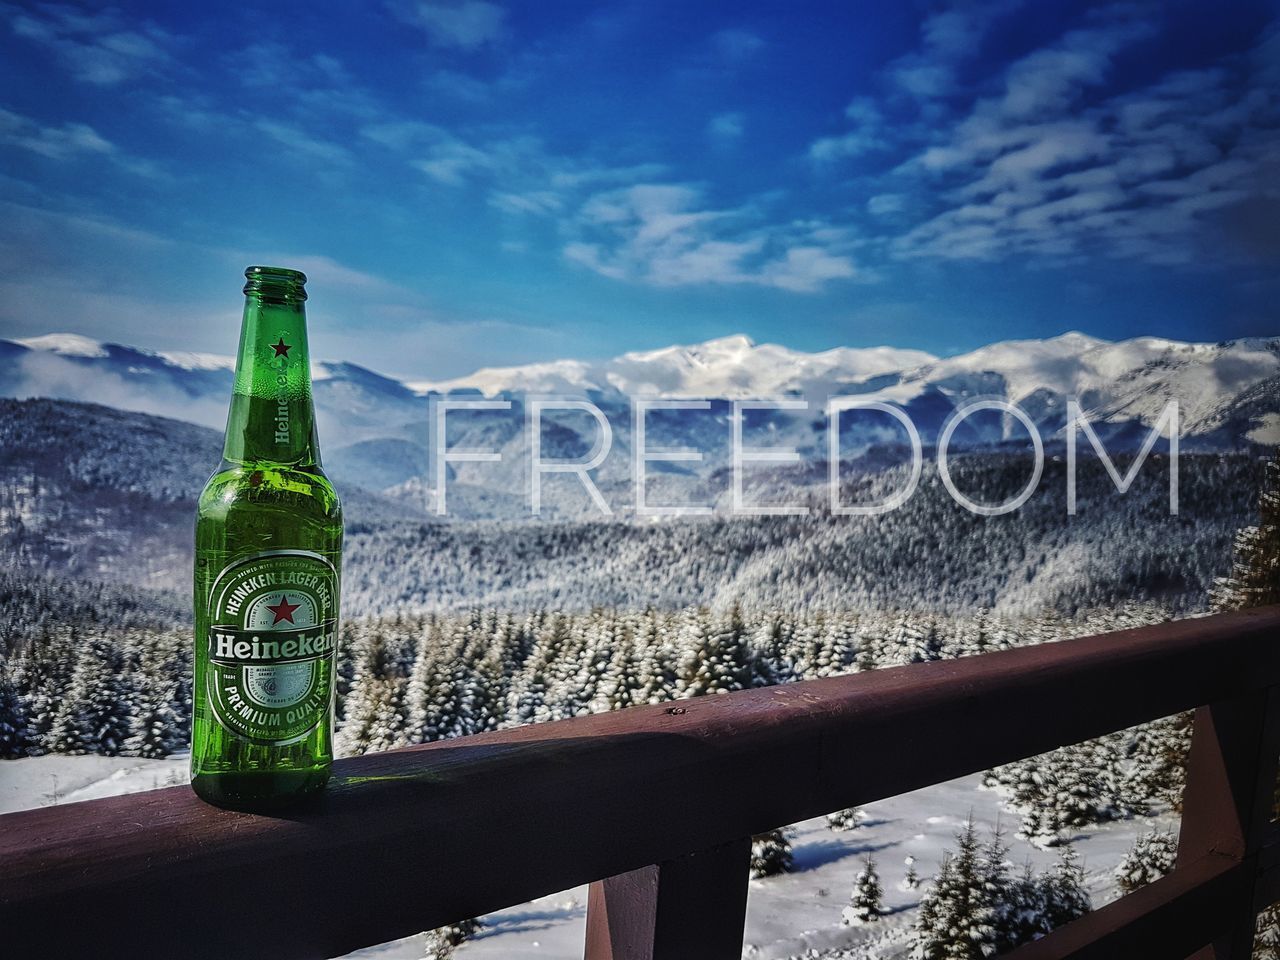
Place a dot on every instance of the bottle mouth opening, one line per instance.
(275, 283)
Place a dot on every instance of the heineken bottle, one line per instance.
(268, 545)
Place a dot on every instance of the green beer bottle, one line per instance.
(268, 549)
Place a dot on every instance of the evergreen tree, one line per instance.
(1065, 895)
(1266, 945)
(372, 720)
(974, 908)
(846, 819)
(440, 944)
(13, 720)
(911, 879)
(97, 712)
(716, 656)
(1150, 858)
(1255, 569)
(866, 904)
(158, 726)
(771, 853)
(43, 677)
(1158, 770)
(957, 920)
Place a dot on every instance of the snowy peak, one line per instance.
(727, 367)
(66, 344)
(1226, 392)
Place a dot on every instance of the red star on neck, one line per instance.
(283, 610)
(281, 348)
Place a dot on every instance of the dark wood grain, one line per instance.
(690, 908)
(410, 839)
(1231, 780)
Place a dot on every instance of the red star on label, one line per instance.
(281, 348)
(283, 610)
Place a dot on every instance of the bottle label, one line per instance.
(271, 646)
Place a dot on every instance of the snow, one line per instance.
(802, 910)
(66, 344)
(189, 360)
(554, 377)
(786, 915)
(730, 367)
(1118, 382)
(1268, 431)
(63, 778)
(75, 345)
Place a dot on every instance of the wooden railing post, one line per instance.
(1231, 779)
(690, 908)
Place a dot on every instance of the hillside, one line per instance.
(93, 493)
(377, 430)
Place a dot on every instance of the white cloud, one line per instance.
(1050, 80)
(885, 203)
(949, 37)
(663, 235)
(98, 47)
(464, 24)
(1046, 166)
(55, 142)
(520, 176)
(726, 127)
(304, 145)
(868, 134)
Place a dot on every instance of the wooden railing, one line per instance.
(654, 805)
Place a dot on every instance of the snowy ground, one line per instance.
(786, 915)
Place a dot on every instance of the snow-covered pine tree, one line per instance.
(657, 660)
(957, 920)
(419, 724)
(462, 931)
(1157, 773)
(440, 943)
(13, 719)
(1266, 944)
(344, 667)
(806, 649)
(1150, 858)
(157, 729)
(846, 819)
(999, 890)
(43, 676)
(1255, 567)
(866, 904)
(715, 657)
(436, 946)
(1022, 912)
(98, 709)
(910, 879)
(1089, 780)
(372, 720)
(771, 853)
(1065, 896)
(771, 662)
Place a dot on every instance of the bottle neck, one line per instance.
(272, 419)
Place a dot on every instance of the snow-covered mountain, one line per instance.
(1228, 393)
(731, 367)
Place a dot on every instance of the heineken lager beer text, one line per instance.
(268, 549)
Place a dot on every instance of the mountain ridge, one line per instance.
(1228, 395)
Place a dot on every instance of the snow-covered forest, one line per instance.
(456, 628)
(82, 497)
(94, 687)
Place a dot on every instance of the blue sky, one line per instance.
(476, 183)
